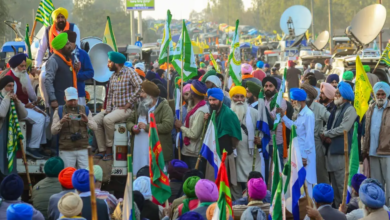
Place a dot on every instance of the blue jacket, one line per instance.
(86, 71)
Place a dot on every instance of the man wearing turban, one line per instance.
(60, 24)
(292, 78)
(373, 199)
(176, 170)
(304, 120)
(193, 125)
(327, 92)
(122, 97)
(207, 193)
(371, 76)
(341, 119)
(246, 71)
(150, 210)
(376, 138)
(213, 81)
(333, 79)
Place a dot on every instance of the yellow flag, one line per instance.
(307, 35)
(199, 45)
(363, 89)
(275, 32)
(278, 37)
(215, 64)
(109, 37)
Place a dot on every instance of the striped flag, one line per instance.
(235, 58)
(225, 198)
(128, 204)
(278, 99)
(44, 11)
(210, 148)
(27, 42)
(262, 124)
(386, 55)
(179, 136)
(166, 43)
(215, 64)
(278, 208)
(109, 37)
(276, 169)
(353, 160)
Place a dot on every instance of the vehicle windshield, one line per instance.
(100, 97)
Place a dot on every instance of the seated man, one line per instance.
(176, 170)
(70, 206)
(72, 123)
(207, 193)
(191, 201)
(373, 197)
(244, 199)
(150, 210)
(19, 211)
(123, 95)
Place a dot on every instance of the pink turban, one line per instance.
(257, 188)
(328, 90)
(206, 191)
(259, 74)
(187, 88)
(246, 69)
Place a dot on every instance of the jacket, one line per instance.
(150, 211)
(384, 138)
(101, 205)
(164, 121)
(329, 213)
(52, 210)
(86, 71)
(42, 191)
(377, 214)
(37, 215)
(5, 104)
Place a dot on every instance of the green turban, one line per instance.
(209, 73)
(53, 166)
(348, 75)
(367, 68)
(189, 186)
(116, 57)
(60, 41)
(97, 172)
(253, 88)
(202, 65)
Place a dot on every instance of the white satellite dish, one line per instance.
(296, 20)
(321, 41)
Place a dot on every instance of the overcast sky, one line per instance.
(180, 9)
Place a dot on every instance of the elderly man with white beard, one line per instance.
(341, 119)
(246, 148)
(376, 142)
(26, 94)
(304, 120)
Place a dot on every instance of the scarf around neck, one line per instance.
(187, 120)
(69, 63)
(53, 33)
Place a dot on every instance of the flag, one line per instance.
(179, 135)
(27, 41)
(307, 35)
(161, 190)
(235, 58)
(184, 56)
(44, 11)
(353, 159)
(277, 209)
(386, 55)
(14, 136)
(363, 90)
(109, 37)
(128, 211)
(225, 198)
(277, 100)
(215, 64)
(295, 176)
(200, 45)
(166, 43)
(262, 124)
(210, 147)
(276, 168)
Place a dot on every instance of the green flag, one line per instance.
(166, 43)
(14, 136)
(277, 100)
(44, 11)
(353, 159)
(386, 55)
(27, 41)
(276, 169)
(234, 61)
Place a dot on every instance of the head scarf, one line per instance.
(58, 11)
(367, 68)
(80, 180)
(382, 86)
(323, 193)
(209, 73)
(193, 172)
(215, 80)
(191, 216)
(332, 77)
(144, 171)
(253, 88)
(150, 88)
(250, 211)
(216, 93)
(65, 177)
(310, 90)
(139, 199)
(246, 69)
(298, 94)
(142, 184)
(98, 173)
(237, 90)
(20, 211)
(271, 80)
(357, 180)
(260, 64)
(70, 205)
(115, 57)
(206, 191)
(141, 66)
(17, 60)
(199, 88)
(5, 80)
(176, 169)
(53, 166)
(60, 41)
(348, 76)
(128, 64)
(257, 189)
(11, 188)
(259, 74)
(210, 212)
(328, 90)
(346, 91)
(372, 195)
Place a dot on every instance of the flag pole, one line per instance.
(346, 157)
(181, 100)
(33, 31)
(270, 171)
(26, 166)
(376, 66)
(168, 76)
(309, 201)
(201, 141)
(92, 184)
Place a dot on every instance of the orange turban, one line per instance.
(210, 211)
(65, 177)
(140, 72)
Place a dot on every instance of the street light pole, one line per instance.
(330, 25)
(380, 34)
(312, 23)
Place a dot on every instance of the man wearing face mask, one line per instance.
(375, 143)
(341, 119)
(303, 119)
(60, 24)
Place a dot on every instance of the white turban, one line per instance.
(142, 184)
(214, 79)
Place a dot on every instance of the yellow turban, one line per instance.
(237, 90)
(58, 11)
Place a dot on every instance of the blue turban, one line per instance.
(216, 93)
(260, 64)
(266, 65)
(128, 64)
(372, 195)
(199, 88)
(332, 77)
(357, 180)
(20, 211)
(191, 216)
(80, 180)
(382, 85)
(346, 91)
(11, 187)
(373, 181)
(17, 60)
(323, 193)
(116, 57)
(298, 94)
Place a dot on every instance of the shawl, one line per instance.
(228, 123)
(187, 121)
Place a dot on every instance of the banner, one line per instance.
(139, 5)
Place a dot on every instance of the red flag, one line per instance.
(222, 182)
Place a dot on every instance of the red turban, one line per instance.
(291, 63)
(65, 177)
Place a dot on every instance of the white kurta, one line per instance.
(141, 147)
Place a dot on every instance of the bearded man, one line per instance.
(248, 118)
(25, 92)
(327, 95)
(60, 24)
(375, 145)
(321, 116)
(303, 119)
(341, 119)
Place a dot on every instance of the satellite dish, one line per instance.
(366, 24)
(99, 59)
(321, 41)
(296, 20)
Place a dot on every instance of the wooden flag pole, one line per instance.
(33, 31)
(309, 201)
(201, 141)
(26, 166)
(92, 184)
(346, 157)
